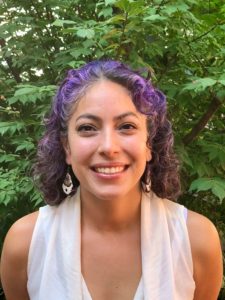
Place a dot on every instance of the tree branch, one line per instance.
(205, 33)
(213, 106)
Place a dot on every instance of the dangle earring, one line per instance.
(148, 187)
(67, 185)
(147, 183)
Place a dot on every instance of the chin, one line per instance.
(115, 193)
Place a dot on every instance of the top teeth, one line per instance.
(109, 170)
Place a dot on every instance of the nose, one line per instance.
(109, 144)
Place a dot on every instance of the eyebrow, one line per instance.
(97, 119)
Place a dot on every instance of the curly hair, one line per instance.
(162, 171)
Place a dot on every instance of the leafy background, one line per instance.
(180, 44)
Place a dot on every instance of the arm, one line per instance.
(207, 256)
(14, 258)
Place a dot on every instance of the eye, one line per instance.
(127, 127)
(86, 129)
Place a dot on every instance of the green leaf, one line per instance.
(25, 91)
(215, 151)
(184, 156)
(80, 52)
(154, 18)
(200, 84)
(87, 44)
(222, 81)
(76, 63)
(219, 191)
(205, 82)
(11, 127)
(26, 145)
(201, 184)
(171, 9)
(51, 89)
(4, 183)
(85, 33)
(5, 198)
(216, 185)
(60, 23)
(106, 12)
(116, 19)
(8, 158)
(110, 2)
(36, 199)
(26, 94)
(203, 168)
(135, 9)
(123, 5)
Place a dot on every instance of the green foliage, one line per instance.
(199, 85)
(11, 127)
(216, 185)
(179, 43)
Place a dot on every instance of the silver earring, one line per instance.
(147, 184)
(67, 185)
(148, 187)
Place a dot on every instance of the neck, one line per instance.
(114, 215)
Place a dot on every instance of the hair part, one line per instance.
(51, 168)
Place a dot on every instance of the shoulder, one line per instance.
(15, 254)
(206, 254)
(203, 234)
(20, 235)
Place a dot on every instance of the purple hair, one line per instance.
(51, 168)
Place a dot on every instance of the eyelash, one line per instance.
(89, 129)
(130, 125)
(86, 128)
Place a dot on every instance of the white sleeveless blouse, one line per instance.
(54, 265)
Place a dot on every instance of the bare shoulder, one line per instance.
(20, 235)
(201, 230)
(207, 256)
(15, 255)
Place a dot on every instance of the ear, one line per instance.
(66, 148)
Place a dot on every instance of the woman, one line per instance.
(108, 146)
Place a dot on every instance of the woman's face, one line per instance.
(106, 144)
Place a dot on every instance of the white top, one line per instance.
(54, 264)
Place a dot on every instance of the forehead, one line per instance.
(106, 95)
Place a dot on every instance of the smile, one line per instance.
(109, 170)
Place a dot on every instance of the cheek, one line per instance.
(138, 150)
(81, 150)
(138, 144)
